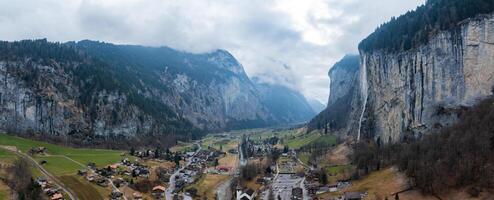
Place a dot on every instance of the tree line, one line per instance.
(416, 27)
(454, 157)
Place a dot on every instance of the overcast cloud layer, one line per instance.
(293, 42)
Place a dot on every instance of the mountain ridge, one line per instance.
(124, 91)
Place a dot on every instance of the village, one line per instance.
(286, 177)
(220, 166)
(146, 174)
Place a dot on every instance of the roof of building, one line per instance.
(57, 196)
(159, 187)
(352, 195)
(297, 191)
(137, 195)
(250, 192)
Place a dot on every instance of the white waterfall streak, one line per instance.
(364, 87)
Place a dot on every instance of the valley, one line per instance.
(247, 100)
(264, 163)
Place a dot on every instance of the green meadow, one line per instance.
(6, 156)
(56, 163)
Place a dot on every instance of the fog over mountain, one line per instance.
(308, 36)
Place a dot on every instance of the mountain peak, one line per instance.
(225, 60)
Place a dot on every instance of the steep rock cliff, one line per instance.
(93, 90)
(415, 91)
(344, 103)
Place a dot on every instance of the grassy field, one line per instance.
(7, 156)
(59, 166)
(59, 163)
(229, 160)
(182, 147)
(4, 191)
(206, 186)
(311, 138)
(84, 189)
(99, 156)
(304, 157)
(379, 185)
(338, 169)
(213, 142)
(282, 134)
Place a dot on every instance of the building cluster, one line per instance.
(314, 187)
(199, 163)
(50, 189)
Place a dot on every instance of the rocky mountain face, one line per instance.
(210, 90)
(344, 103)
(90, 90)
(418, 90)
(283, 103)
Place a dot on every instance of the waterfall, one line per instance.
(364, 87)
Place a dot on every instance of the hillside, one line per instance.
(284, 103)
(344, 104)
(456, 157)
(93, 92)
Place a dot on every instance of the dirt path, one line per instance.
(43, 171)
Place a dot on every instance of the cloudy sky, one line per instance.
(292, 42)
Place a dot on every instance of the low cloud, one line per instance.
(291, 42)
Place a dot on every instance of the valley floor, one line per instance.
(214, 179)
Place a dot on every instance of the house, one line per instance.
(248, 195)
(322, 189)
(118, 182)
(91, 165)
(141, 171)
(57, 196)
(223, 168)
(137, 196)
(333, 188)
(126, 162)
(116, 195)
(114, 167)
(37, 150)
(190, 154)
(91, 177)
(352, 196)
(312, 189)
(42, 182)
(233, 151)
(297, 194)
(158, 191)
(101, 181)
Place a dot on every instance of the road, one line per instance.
(223, 192)
(243, 161)
(304, 190)
(171, 187)
(282, 186)
(48, 175)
